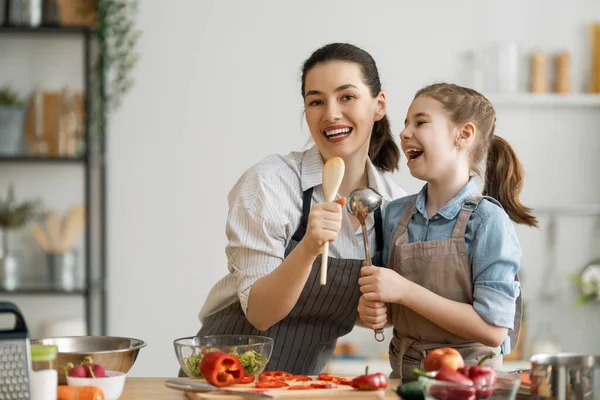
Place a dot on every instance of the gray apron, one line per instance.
(306, 337)
(433, 264)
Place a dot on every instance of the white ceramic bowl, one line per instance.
(112, 385)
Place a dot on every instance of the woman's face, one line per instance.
(340, 111)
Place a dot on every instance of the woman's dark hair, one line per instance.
(383, 150)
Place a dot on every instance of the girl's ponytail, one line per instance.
(504, 181)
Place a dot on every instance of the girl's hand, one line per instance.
(383, 284)
(324, 223)
(372, 313)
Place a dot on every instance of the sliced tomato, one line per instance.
(274, 376)
(248, 378)
(299, 378)
(270, 384)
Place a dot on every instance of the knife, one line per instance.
(198, 387)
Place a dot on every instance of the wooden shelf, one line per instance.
(61, 30)
(545, 100)
(41, 160)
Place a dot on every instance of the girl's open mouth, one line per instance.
(413, 154)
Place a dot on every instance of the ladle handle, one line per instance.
(366, 242)
(379, 336)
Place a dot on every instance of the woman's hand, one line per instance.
(372, 313)
(324, 223)
(383, 284)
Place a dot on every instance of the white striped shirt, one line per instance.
(265, 208)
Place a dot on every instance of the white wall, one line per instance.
(217, 89)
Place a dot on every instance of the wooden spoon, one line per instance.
(333, 173)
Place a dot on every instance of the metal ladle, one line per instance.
(361, 203)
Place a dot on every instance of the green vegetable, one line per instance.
(411, 391)
(252, 361)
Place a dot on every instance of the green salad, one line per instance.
(251, 360)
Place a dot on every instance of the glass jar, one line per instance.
(44, 377)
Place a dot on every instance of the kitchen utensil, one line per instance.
(199, 387)
(15, 361)
(563, 376)
(333, 173)
(114, 353)
(189, 350)
(361, 203)
(551, 286)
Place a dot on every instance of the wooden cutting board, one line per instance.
(341, 391)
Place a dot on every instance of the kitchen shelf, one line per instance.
(42, 160)
(545, 100)
(93, 164)
(48, 29)
(38, 287)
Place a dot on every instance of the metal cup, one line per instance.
(62, 270)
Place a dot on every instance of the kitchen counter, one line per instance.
(155, 389)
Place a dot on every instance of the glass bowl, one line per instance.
(254, 352)
(505, 388)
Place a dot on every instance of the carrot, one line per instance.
(79, 393)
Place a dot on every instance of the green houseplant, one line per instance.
(117, 37)
(12, 122)
(14, 215)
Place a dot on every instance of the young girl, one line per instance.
(452, 254)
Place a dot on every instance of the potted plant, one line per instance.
(12, 122)
(13, 215)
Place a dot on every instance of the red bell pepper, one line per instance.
(221, 369)
(270, 384)
(483, 378)
(274, 376)
(370, 381)
(248, 378)
(466, 390)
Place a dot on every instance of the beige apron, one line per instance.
(433, 265)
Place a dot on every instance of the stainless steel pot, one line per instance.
(563, 376)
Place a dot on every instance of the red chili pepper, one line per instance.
(449, 392)
(274, 376)
(449, 375)
(270, 384)
(483, 378)
(370, 381)
(248, 378)
(221, 369)
(452, 393)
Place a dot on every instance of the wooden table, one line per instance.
(155, 389)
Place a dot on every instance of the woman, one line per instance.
(278, 221)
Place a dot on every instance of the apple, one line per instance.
(443, 356)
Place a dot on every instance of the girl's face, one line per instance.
(340, 111)
(429, 141)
